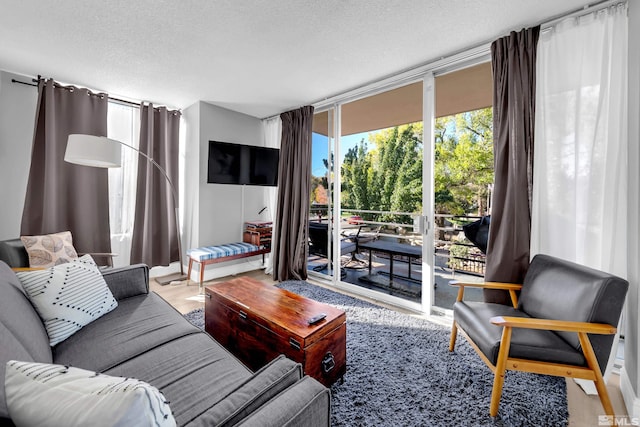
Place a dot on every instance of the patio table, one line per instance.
(393, 248)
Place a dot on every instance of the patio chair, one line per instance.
(366, 233)
(319, 242)
(563, 324)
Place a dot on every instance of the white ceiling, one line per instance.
(258, 57)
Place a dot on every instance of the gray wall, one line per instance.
(214, 213)
(17, 116)
(224, 207)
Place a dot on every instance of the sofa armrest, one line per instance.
(305, 404)
(129, 281)
(264, 385)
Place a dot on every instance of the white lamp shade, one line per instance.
(90, 150)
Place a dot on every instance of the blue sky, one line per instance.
(319, 150)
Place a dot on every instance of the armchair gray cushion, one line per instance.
(12, 252)
(473, 317)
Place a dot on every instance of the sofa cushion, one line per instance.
(275, 377)
(68, 296)
(139, 324)
(56, 395)
(221, 251)
(473, 317)
(49, 249)
(22, 334)
(193, 372)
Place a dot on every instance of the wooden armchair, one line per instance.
(562, 324)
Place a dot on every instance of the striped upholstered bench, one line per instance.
(220, 253)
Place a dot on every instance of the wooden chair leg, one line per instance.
(501, 368)
(592, 362)
(514, 298)
(454, 334)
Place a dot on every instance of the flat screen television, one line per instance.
(241, 164)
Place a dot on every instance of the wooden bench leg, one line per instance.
(189, 270)
(201, 277)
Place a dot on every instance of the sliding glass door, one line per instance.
(367, 214)
(381, 193)
(398, 175)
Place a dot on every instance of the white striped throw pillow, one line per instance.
(68, 296)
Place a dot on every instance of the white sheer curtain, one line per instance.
(123, 124)
(272, 133)
(579, 207)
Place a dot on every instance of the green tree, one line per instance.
(385, 173)
(356, 175)
(463, 164)
(388, 177)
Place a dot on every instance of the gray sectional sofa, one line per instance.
(147, 339)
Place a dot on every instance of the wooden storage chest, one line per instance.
(258, 321)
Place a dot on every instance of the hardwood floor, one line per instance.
(186, 297)
(583, 409)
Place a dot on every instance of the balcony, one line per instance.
(455, 257)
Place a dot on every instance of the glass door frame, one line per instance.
(426, 216)
(428, 197)
(329, 277)
(427, 74)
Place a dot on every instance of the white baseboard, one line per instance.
(631, 401)
(215, 271)
(166, 270)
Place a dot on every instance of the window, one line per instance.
(123, 124)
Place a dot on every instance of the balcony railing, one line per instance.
(452, 249)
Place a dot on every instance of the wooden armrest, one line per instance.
(27, 268)
(111, 254)
(554, 325)
(488, 285)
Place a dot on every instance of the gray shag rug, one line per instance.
(401, 373)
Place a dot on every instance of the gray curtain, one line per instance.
(62, 196)
(290, 250)
(155, 236)
(514, 83)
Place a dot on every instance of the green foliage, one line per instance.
(463, 167)
(385, 172)
(387, 178)
(458, 254)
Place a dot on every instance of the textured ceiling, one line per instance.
(259, 57)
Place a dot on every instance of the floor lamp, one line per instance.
(103, 152)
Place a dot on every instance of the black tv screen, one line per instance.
(241, 164)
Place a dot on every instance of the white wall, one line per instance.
(17, 117)
(191, 178)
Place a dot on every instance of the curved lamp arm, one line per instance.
(103, 152)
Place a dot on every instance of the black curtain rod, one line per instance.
(34, 82)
